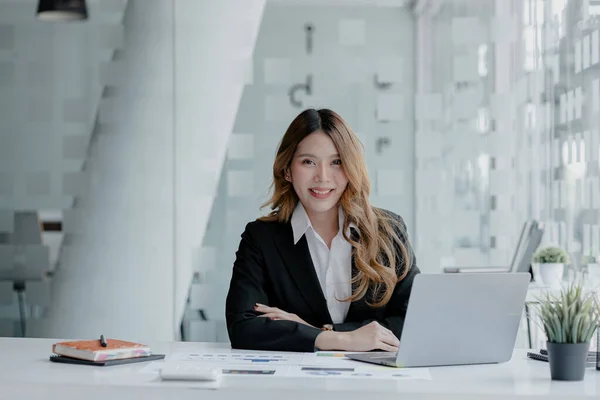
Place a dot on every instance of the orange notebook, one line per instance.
(92, 350)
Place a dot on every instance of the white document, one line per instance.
(225, 357)
(329, 359)
(366, 372)
(154, 368)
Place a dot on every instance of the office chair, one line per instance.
(529, 240)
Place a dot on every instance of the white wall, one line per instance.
(213, 61)
(343, 69)
(144, 197)
(49, 94)
(116, 274)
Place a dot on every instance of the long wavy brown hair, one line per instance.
(382, 254)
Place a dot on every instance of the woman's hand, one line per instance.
(366, 338)
(276, 314)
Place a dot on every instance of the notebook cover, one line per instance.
(92, 350)
(106, 363)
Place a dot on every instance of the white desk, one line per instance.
(26, 373)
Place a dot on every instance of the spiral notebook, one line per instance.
(542, 355)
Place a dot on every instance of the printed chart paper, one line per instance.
(360, 372)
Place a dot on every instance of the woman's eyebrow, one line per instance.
(313, 156)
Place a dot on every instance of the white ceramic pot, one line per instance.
(593, 271)
(548, 274)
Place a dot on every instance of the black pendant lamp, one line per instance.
(62, 10)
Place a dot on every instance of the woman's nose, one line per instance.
(322, 174)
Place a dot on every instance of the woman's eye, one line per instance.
(307, 162)
(337, 162)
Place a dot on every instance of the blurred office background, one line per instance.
(137, 143)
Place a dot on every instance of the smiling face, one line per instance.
(317, 174)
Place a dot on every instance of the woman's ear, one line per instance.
(287, 176)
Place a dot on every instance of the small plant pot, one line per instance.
(567, 360)
(548, 274)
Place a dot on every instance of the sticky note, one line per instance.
(277, 71)
(390, 69)
(241, 146)
(278, 108)
(390, 182)
(465, 68)
(503, 29)
(240, 183)
(467, 31)
(390, 107)
(428, 106)
(352, 32)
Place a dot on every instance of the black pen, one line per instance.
(103, 341)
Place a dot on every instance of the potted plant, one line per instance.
(549, 265)
(569, 321)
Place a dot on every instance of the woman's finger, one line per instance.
(386, 347)
(386, 330)
(276, 316)
(262, 308)
(268, 315)
(391, 339)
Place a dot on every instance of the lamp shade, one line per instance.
(62, 10)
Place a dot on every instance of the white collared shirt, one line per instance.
(333, 266)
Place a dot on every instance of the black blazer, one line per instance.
(271, 270)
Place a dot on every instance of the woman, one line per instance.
(325, 269)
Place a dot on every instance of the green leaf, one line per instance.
(575, 328)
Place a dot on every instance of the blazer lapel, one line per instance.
(297, 260)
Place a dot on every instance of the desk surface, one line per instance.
(25, 372)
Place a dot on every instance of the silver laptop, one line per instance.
(456, 319)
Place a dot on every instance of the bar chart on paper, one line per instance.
(240, 358)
